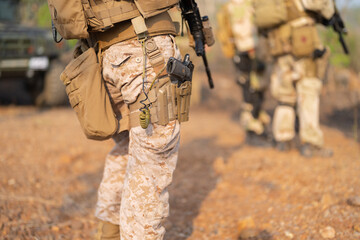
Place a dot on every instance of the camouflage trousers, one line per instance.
(295, 83)
(249, 123)
(133, 192)
(252, 117)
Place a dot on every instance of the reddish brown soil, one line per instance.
(222, 189)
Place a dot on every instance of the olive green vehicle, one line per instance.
(30, 55)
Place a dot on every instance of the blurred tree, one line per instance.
(43, 16)
(331, 39)
(29, 11)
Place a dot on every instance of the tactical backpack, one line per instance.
(269, 13)
(74, 19)
(272, 13)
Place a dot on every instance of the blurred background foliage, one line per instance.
(338, 58)
(36, 13)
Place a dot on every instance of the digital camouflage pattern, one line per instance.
(244, 31)
(294, 82)
(123, 65)
(133, 192)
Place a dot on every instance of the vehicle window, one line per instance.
(8, 10)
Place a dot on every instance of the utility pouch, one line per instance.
(69, 18)
(280, 40)
(303, 40)
(183, 93)
(166, 105)
(207, 31)
(169, 98)
(88, 96)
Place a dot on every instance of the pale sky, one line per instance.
(352, 2)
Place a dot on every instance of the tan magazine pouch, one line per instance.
(88, 96)
(168, 102)
(68, 18)
(183, 94)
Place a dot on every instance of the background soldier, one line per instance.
(134, 42)
(297, 77)
(239, 40)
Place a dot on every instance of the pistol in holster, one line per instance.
(180, 73)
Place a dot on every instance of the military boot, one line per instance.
(258, 140)
(107, 231)
(308, 150)
(284, 146)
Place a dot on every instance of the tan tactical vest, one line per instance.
(74, 19)
(297, 36)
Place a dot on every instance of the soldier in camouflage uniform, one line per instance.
(250, 67)
(138, 170)
(118, 84)
(296, 81)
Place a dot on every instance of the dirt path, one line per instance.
(222, 189)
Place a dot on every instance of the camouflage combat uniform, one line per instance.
(253, 118)
(292, 84)
(138, 170)
(296, 81)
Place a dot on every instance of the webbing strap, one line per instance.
(112, 12)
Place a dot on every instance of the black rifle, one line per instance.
(339, 26)
(191, 14)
